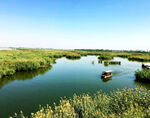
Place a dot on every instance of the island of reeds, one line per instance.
(143, 75)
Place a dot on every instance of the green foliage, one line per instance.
(105, 57)
(112, 62)
(30, 59)
(26, 59)
(71, 55)
(140, 57)
(124, 103)
(143, 75)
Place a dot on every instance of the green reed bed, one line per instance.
(29, 59)
(126, 103)
(131, 55)
(85, 53)
(105, 57)
(71, 55)
(142, 58)
(143, 75)
(26, 60)
(112, 62)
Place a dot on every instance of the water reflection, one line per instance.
(66, 78)
(93, 62)
(23, 76)
(106, 79)
(136, 60)
(100, 61)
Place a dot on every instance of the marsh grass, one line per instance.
(71, 55)
(140, 57)
(112, 62)
(105, 57)
(13, 61)
(26, 60)
(143, 75)
(126, 103)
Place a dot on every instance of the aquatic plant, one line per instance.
(112, 62)
(118, 104)
(143, 75)
(105, 57)
(93, 62)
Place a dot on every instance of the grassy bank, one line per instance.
(15, 61)
(26, 60)
(143, 75)
(119, 104)
(141, 58)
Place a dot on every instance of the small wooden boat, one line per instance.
(146, 65)
(107, 74)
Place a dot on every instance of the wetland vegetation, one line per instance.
(31, 59)
(26, 60)
(118, 104)
(143, 75)
(112, 63)
(121, 103)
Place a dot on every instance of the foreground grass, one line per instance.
(143, 75)
(126, 103)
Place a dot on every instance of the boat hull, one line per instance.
(106, 76)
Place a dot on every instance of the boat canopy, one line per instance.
(108, 71)
(146, 64)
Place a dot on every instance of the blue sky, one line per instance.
(69, 24)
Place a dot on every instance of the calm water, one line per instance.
(26, 90)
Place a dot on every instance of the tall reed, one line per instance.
(143, 75)
(126, 103)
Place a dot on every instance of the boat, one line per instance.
(146, 65)
(107, 74)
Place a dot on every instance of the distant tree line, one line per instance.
(107, 50)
